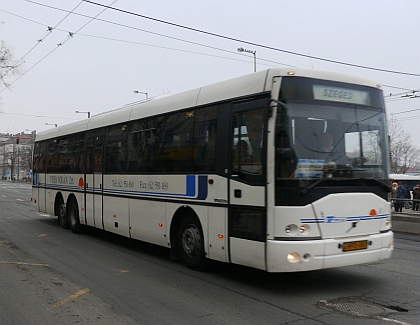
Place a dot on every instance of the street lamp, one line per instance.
(140, 92)
(88, 113)
(51, 124)
(241, 49)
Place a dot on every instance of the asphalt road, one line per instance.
(50, 276)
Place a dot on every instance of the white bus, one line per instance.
(408, 181)
(236, 172)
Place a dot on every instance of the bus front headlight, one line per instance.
(293, 257)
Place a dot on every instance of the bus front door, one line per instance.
(247, 213)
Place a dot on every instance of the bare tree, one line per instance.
(403, 155)
(8, 66)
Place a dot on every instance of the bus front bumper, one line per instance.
(295, 256)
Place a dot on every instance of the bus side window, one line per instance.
(116, 149)
(247, 146)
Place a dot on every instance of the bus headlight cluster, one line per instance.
(296, 258)
(293, 229)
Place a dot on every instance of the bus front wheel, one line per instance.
(73, 215)
(191, 243)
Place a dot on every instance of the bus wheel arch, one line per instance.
(187, 238)
(60, 211)
(73, 214)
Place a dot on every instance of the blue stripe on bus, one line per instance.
(202, 188)
(190, 186)
(334, 219)
(197, 190)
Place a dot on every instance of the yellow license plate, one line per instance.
(355, 245)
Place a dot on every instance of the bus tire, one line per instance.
(191, 243)
(63, 220)
(73, 216)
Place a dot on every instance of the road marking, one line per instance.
(4, 195)
(123, 271)
(42, 235)
(19, 200)
(393, 320)
(73, 296)
(25, 263)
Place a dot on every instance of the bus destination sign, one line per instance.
(343, 95)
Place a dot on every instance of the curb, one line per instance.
(408, 223)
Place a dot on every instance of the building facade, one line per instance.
(16, 156)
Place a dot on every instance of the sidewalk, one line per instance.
(407, 221)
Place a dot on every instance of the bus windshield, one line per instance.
(320, 140)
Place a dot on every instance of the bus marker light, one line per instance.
(220, 236)
(291, 73)
(373, 213)
(304, 229)
(291, 229)
(211, 181)
(160, 224)
(293, 257)
(114, 215)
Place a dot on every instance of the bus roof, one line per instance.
(255, 83)
(402, 177)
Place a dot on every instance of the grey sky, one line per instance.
(106, 60)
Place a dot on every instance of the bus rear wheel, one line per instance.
(62, 214)
(73, 216)
(191, 243)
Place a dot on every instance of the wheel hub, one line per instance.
(191, 241)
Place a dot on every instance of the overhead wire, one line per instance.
(224, 37)
(45, 35)
(34, 115)
(184, 51)
(69, 36)
(250, 43)
(150, 45)
(152, 33)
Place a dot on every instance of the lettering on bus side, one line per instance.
(144, 185)
(122, 183)
(62, 179)
(154, 185)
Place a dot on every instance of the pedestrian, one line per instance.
(416, 197)
(394, 195)
(400, 197)
(408, 197)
